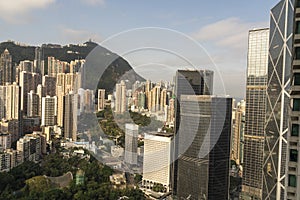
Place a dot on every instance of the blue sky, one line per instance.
(221, 28)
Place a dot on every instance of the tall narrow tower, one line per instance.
(255, 112)
(70, 116)
(6, 68)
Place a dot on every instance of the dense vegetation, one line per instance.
(26, 181)
(113, 125)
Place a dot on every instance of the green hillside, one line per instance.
(116, 67)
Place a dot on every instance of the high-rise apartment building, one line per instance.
(49, 112)
(5, 140)
(131, 143)
(28, 81)
(9, 101)
(26, 65)
(70, 116)
(39, 61)
(204, 147)
(56, 66)
(120, 98)
(101, 99)
(12, 105)
(33, 104)
(257, 74)
(60, 105)
(11, 127)
(163, 99)
(7, 73)
(49, 84)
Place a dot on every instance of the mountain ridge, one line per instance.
(114, 71)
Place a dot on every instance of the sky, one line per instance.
(220, 29)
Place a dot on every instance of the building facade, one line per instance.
(7, 72)
(278, 100)
(49, 105)
(204, 147)
(187, 82)
(157, 160)
(292, 180)
(257, 75)
(101, 99)
(70, 116)
(131, 144)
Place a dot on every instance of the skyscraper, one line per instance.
(238, 132)
(26, 65)
(49, 84)
(49, 111)
(163, 99)
(70, 116)
(278, 100)
(39, 61)
(188, 82)
(60, 105)
(255, 112)
(101, 99)
(204, 147)
(28, 82)
(33, 104)
(6, 68)
(131, 143)
(2, 102)
(12, 101)
(120, 98)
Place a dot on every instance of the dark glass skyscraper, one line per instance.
(187, 82)
(204, 147)
(278, 100)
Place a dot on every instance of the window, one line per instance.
(297, 79)
(297, 53)
(298, 4)
(296, 104)
(297, 31)
(292, 180)
(295, 130)
(293, 155)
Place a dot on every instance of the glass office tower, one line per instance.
(257, 70)
(187, 82)
(204, 147)
(278, 100)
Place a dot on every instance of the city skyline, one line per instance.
(187, 101)
(227, 46)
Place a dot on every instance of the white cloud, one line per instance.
(93, 2)
(230, 33)
(77, 36)
(17, 11)
(227, 41)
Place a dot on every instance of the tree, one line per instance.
(38, 184)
